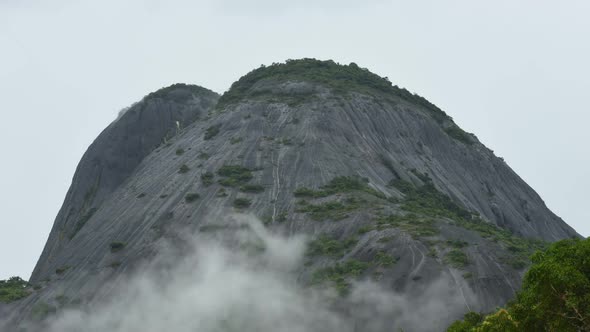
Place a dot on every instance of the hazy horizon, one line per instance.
(515, 74)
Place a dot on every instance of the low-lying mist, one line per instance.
(249, 280)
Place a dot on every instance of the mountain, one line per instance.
(388, 191)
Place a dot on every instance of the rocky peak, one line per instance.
(387, 188)
(117, 151)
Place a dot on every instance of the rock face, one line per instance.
(315, 148)
(115, 154)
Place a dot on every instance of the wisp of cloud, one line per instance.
(246, 279)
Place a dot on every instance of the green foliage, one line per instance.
(255, 247)
(424, 177)
(340, 184)
(457, 258)
(520, 249)
(555, 294)
(203, 156)
(342, 79)
(500, 321)
(191, 197)
(459, 134)
(343, 184)
(338, 274)
(168, 93)
(516, 262)
(415, 225)
(458, 244)
(556, 289)
(207, 178)
(252, 188)
(364, 229)
(432, 252)
(115, 264)
(117, 246)
(63, 269)
(41, 310)
(470, 320)
(62, 300)
(305, 192)
(235, 140)
(427, 200)
(286, 141)
(332, 210)
(234, 175)
(384, 259)
(242, 203)
(424, 203)
(13, 289)
(212, 132)
(328, 246)
(183, 169)
(212, 228)
(402, 185)
(179, 151)
(385, 239)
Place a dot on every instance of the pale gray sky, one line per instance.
(516, 73)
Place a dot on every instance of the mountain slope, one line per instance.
(115, 154)
(384, 183)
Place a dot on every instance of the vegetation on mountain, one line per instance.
(13, 289)
(41, 310)
(339, 184)
(555, 295)
(62, 269)
(411, 223)
(234, 175)
(183, 169)
(427, 201)
(117, 246)
(242, 203)
(235, 140)
(339, 273)
(207, 178)
(252, 188)
(325, 245)
(332, 210)
(191, 197)
(211, 132)
(178, 92)
(459, 134)
(384, 259)
(340, 78)
(457, 258)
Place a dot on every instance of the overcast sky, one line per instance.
(515, 73)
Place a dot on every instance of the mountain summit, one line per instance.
(387, 191)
